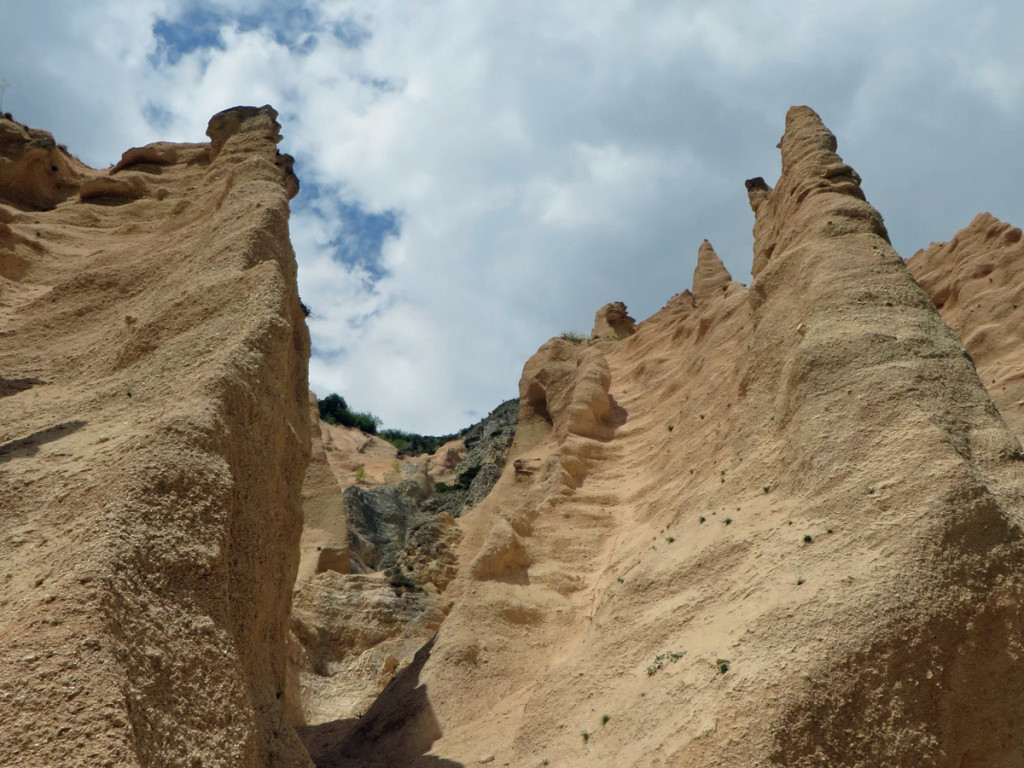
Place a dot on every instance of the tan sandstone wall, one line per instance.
(154, 433)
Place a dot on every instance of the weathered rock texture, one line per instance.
(710, 277)
(478, 465)
(976, 281)
(356, 632)
(613, 321)
(324, 544)
(776, 526)
(352, 634)
(154, 433)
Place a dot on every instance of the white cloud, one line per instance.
(543, 158)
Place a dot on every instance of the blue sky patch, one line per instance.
(157, 116)
(290, 23)
(196, 28)
(362, 233)
(350, 33)
(362, 237)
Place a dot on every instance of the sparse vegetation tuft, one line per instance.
(605, 719)
(661, 658)
(808, 538)
(727, 520)
(586, 736)
(574, 337)
(334, 410)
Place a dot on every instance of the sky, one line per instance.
(481, 175)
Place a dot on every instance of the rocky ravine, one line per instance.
(153, 439)
(353, 632)
(778, 525)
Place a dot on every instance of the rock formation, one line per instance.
(612, 321)
(154, 433)
(776, 526)
(353, 633)
(324, 544)
(710, 277)
(976, 281)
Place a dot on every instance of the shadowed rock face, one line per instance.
(798, 544)
(150, 544)
(35, 174)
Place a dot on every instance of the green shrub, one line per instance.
(465, 479)
(411, 444)
(334, 410)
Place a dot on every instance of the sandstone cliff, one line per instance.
(154, 433)
(976, 281)
(776, 526)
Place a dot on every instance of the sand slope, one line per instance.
(154, 433)
(776, 526)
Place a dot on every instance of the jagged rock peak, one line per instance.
(249, 126)
(613, 320)
(710, 277)
(810, 167)
(809, 156)
(228, 122)
(757, 192)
